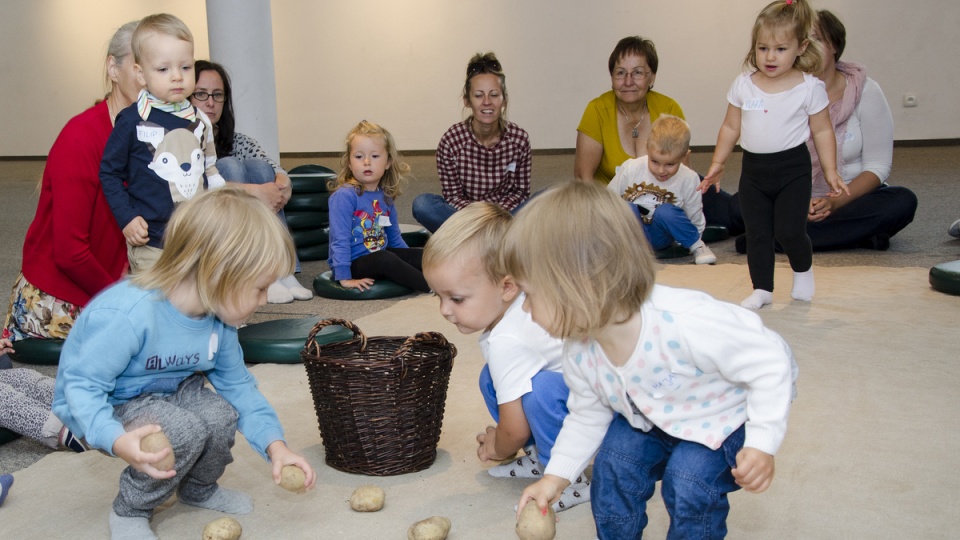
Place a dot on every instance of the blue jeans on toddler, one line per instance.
(695, 484)
(250, 171)
(545, 407)
(669, 223)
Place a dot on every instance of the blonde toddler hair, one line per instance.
(394, 178)
(796, 16)
(160, 23)
(670, 135)
(478, 230)
(223, 240)
(583, 252)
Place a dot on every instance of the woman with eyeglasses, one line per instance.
(483, 158)
(615, 126)
(74, 247)
(242, 161)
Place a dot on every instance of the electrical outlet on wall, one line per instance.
(910, 100)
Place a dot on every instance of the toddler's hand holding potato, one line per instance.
(282, 456)
(545, 492)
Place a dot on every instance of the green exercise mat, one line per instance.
(318, 252)
(37, 351)
(306, 219)
(309, 202)
(280, 341)
(381, 288)
(945, 277)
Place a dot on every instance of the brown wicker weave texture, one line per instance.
(379, 400)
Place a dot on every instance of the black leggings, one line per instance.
(399, 265)
(774, 198)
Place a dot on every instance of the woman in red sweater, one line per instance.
(74, 248)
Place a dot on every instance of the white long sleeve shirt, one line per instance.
(701, 369)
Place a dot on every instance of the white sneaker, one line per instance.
(954, 229)
(703, 255)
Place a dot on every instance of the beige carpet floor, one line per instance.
(868, 453)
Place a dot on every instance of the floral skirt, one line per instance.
(36, 314)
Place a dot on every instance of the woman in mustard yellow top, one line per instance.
(615, 126)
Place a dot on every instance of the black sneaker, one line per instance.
(71, 441)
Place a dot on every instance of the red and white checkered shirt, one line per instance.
(472, 172)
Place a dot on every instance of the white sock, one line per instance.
(277, 293)
(130, 528)
(803, 286)
(298, 291)
(757, 299)
(225, 500)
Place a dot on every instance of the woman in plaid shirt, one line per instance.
(485, 157)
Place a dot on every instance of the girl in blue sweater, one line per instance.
(365, 241)
(139, 357)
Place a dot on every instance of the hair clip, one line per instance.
(789, 2)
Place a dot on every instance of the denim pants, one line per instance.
(432, 210)
(669, 223)
(250, 171)
(695, 482)
(545, 407)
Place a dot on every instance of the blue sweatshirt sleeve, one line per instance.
(343, 203)
(115, 164)
(96, 353)
(257, 419)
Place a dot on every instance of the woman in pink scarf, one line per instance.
(873, 211)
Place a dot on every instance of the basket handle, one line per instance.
(436, 337)
(314, 348)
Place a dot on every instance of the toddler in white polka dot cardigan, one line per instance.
(665, 384)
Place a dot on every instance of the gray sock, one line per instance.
(577, 493)
(130, 528)
(225, 500)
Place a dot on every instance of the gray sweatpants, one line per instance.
(201, 427)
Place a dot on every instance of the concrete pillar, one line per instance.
(241, 38)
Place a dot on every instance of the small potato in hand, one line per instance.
(156, 442)
(533, 525)
(293, 479)
(434, 528)
(225, 528)
(367, 499)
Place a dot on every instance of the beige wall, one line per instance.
(401, 63)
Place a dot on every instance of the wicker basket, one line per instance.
(379, 400)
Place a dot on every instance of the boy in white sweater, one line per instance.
(663, 191)
(521, 383)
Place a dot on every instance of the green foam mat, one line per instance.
(280, 341)
(945, 277)
(381, 288)
(37, 351)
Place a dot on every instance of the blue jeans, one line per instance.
(669, 223)
(696, 481)
(250, 171)
(545, 407)
(431, 210)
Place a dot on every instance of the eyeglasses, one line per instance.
(483, 66)
(621, 74)
(219, 97)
